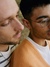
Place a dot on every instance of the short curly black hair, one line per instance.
(26, 6)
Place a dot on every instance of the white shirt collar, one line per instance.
(39, 47)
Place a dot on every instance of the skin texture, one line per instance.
(10, 26)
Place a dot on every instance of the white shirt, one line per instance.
(44, 51)
(5, 56)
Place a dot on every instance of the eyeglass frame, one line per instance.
(43, 20)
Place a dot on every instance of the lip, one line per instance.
(48, 33)
(17, 35)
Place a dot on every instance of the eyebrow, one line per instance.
(41, 17)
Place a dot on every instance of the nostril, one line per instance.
(19, 28)
(15, 29)
(22, 27)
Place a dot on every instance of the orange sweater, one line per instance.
(26, 55)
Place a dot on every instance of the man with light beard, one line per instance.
(10, 30)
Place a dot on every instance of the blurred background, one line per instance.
(18, 1)
(25, 32)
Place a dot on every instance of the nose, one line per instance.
(18, 25)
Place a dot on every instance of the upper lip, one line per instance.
(17, 33)
(48, 31)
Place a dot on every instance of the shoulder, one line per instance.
(20, 55)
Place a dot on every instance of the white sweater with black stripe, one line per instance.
(5, 56)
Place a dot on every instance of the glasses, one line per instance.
(44, 22)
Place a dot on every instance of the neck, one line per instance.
(3, 47)
(39, 41)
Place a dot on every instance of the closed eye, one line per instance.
(5, 23)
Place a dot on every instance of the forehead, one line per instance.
(7, 8)
(41, 11)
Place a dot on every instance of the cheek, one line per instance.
(37, 27)
(5, 35)
(7, 31)
(38, 30)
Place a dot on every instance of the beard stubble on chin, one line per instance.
(9, 43)
(5, 41)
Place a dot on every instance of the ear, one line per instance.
(26, 23)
